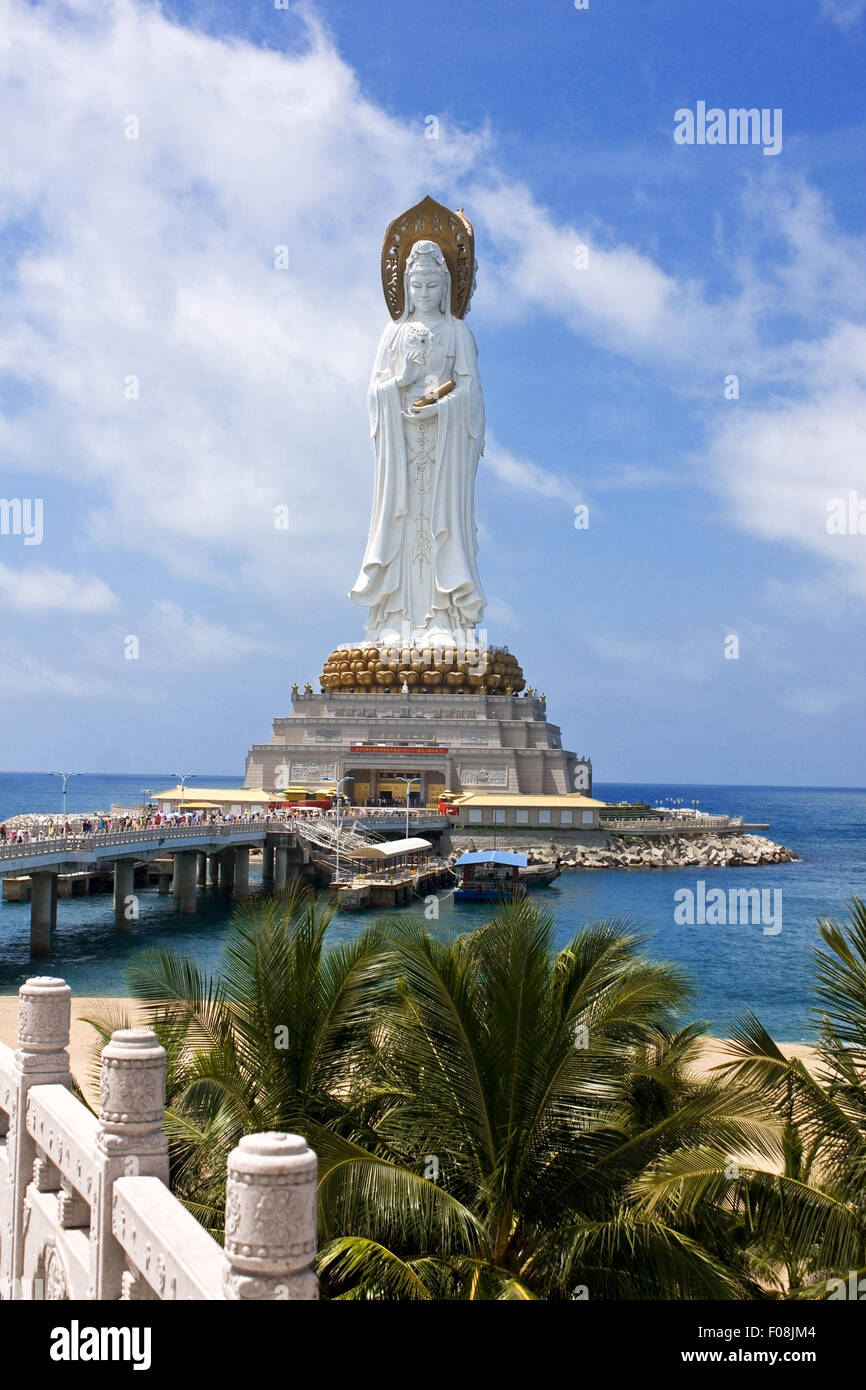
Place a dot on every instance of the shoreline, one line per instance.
(83, 1039)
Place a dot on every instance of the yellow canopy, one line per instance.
(238, 795)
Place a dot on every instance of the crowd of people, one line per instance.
(29, 829)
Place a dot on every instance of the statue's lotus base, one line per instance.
(383, 669)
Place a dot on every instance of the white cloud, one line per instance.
(189, 641)
(844, 12)
(821, 701)
(498, 615)
(621, 299)
(779, 467)
(525, 476)
(640, 655)
(40, 588)
(23, 675)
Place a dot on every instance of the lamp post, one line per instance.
(182, 781)
(408, 781)
(339, 819)
(65, 776)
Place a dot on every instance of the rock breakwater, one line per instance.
(667, 852)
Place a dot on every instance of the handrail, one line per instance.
(155, 834)
(675, 826)
(164, 1243)
(39, 845)
(86, 1212)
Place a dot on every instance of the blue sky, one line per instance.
(152, 258)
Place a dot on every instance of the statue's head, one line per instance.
(428, 281)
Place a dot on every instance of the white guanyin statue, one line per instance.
(419, 577)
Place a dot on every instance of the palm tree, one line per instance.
(807, 1220)
(517, 1096)
(271, 1043)
(484, 1109)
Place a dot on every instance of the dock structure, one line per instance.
(183, 858)
(389, 874)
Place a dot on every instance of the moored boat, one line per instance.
(488, 875)
(540, 875)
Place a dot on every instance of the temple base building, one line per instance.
(439, 742)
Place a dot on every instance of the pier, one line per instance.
(183, 858)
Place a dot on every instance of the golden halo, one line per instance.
(453, 234)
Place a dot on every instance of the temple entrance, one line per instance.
(387, 786)
(391, 788)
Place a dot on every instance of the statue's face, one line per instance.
(425, 289)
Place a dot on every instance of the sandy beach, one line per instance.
(84, 1042)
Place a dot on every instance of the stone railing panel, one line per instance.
(64, 1132)
(164, 1244)
(85, 1208)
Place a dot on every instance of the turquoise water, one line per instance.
(733, 966)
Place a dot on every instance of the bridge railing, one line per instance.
(154, 835)
(85, 1209)
(673, 825)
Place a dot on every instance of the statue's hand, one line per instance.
(423, 412)
(409, 374)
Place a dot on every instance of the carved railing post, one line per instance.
(41, 1060)
(270, 1237)
(130, 1142)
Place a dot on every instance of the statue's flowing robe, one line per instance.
(445, 590)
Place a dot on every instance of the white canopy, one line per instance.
(389, 849)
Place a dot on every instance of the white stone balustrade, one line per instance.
(85, 1209)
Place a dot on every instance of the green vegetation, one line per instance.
(497, 1120)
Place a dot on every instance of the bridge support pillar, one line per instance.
(213, 869)
(227, 868)
(267, 863)
(185, 876)
(281, 868)
(165, 884)
(124, 879)
(43, 912)
(201, 870)
(242, 872)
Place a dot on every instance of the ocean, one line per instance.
(733, 967)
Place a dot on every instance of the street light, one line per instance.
(182, 782)
(66, 776)
(339, 819)
(408, 781)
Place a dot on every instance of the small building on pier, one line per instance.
(390, 856)
(232, 801)
(489, 809)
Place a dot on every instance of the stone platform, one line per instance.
(458, 742)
